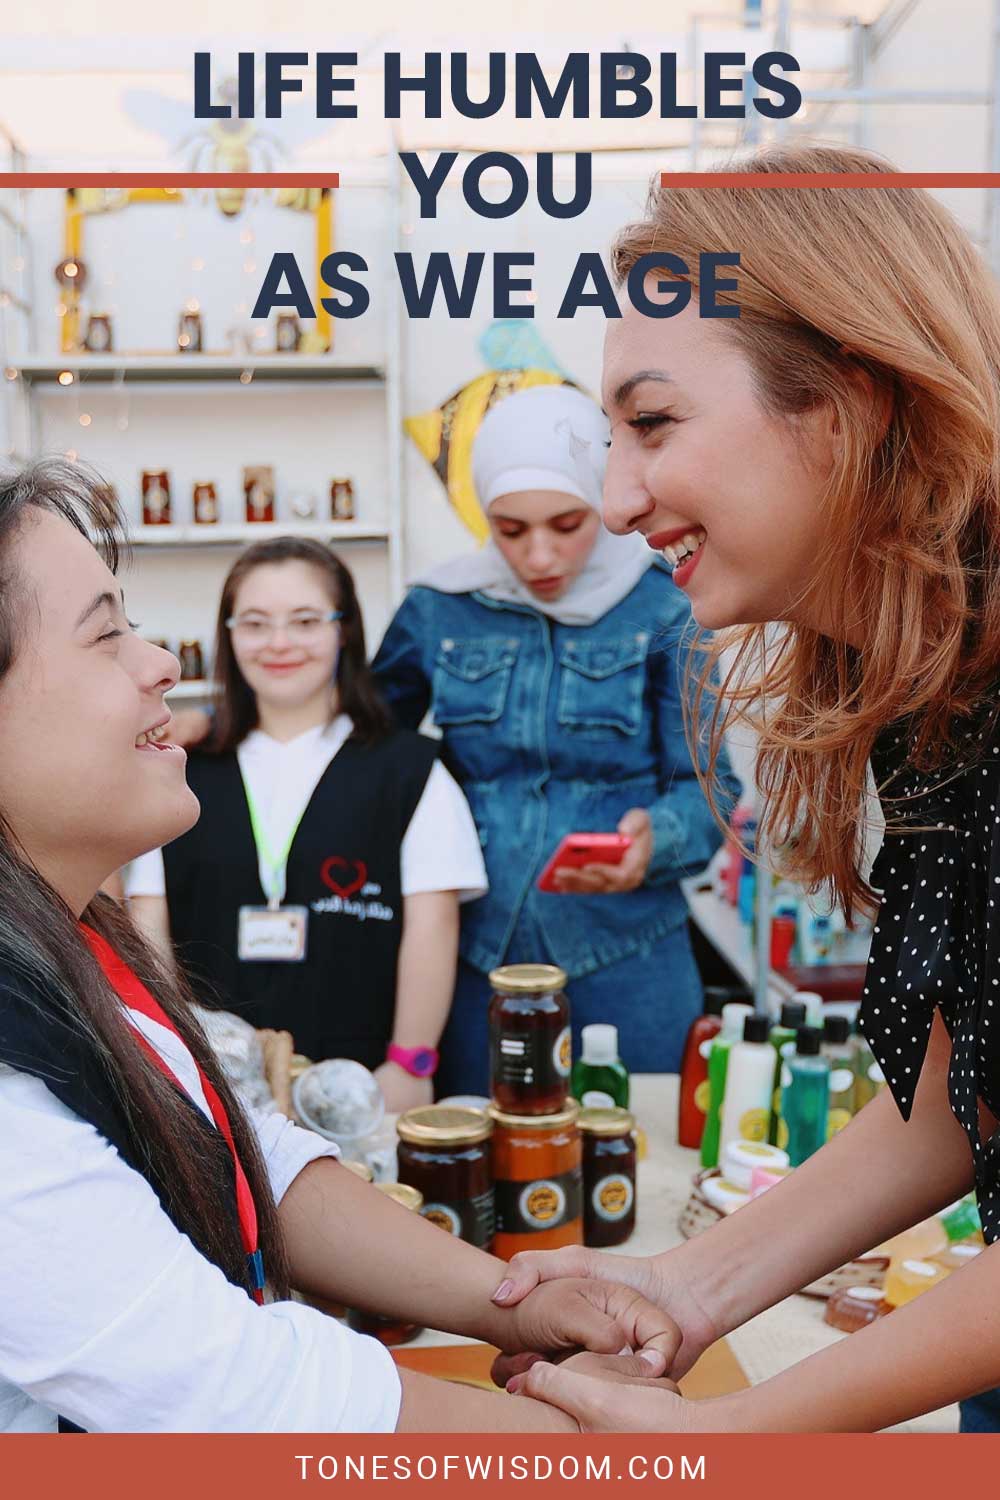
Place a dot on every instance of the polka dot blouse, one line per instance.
(936, 943)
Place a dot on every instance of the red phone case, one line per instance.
(579, 849)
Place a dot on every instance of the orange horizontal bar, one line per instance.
(830, 179)
(71, 179)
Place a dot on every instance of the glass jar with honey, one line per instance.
(608, 1176)
(530, 1043)
(444, 1152)
(389, 1331)
(537, 1181)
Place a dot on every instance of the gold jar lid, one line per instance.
(359, 1169)
(528, 979)
(606, 1121)
(298, 1064)
(443, 1125)
(402, 1193)
(566, 1116)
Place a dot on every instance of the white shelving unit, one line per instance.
(206, 416)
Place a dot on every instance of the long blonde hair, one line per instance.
(874, 301)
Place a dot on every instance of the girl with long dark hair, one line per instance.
(315, 806)
(151, 1230)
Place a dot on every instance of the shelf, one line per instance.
(181, 368)
(222, 535)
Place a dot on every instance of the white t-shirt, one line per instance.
(110, 1316)
(440, 849)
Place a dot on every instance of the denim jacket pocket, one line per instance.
(472, 679)
(601, 685)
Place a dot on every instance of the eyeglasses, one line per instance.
(301, 630)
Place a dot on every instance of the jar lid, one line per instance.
(402, 1193)
(443, 1125)
(606, 1121)
(359, 1169)
(528, 979)
(566, 1116)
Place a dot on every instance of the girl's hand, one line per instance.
(605, 1394)
(401, 1090)
(563, 1316)
(650, 1277)
(602, 880)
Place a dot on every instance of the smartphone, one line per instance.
(579, 849)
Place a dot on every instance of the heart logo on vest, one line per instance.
(349, 883)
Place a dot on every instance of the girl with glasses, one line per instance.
(319, 891)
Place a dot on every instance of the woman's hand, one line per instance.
(188, 727)
(655, 1280)
(563, 1316)
(601, 880)
(401, 1090)
(604, 1394)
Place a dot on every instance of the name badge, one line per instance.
(276, 935)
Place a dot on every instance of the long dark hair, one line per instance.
(40, 941)
(235, 703)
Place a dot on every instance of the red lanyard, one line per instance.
(134, 994)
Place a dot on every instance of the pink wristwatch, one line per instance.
(420, 1062)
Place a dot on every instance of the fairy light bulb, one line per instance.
(66, 377)
(84, 419)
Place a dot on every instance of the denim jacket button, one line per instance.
(447, 644)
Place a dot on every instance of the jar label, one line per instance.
(548, 1203)
(470, 1220)
(529, 1060)
(612, 1198)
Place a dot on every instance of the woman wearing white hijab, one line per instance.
(552, 662)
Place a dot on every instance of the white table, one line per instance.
(780, 1337)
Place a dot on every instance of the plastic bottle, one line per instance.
(839, 1054)
(906, 1279)
(692, 1103)
(600, 1078)
(782, 1039)
(805, 1097)
(733, 1017)
(746, 1109)
(868, 1076)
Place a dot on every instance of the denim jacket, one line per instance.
(553, 729)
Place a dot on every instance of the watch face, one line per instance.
(423, 1063)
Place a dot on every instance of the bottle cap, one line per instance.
(807, 1040)
(733, 1017)
(716, 996)
(813, 1003)
(600, 1044)
(528, 979)
(793, 1015)
(836, 1029)
(756, 1029)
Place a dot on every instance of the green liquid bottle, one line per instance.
(600, 1078)
(733, 1017)
(805, 1097)
(782, 1039)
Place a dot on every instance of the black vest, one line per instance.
(343, 867)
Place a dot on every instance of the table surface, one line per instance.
(769, 1343)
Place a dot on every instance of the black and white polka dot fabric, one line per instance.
(936, 943)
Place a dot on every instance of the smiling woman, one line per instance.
(151, 1230)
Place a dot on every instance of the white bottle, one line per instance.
(746, 1110)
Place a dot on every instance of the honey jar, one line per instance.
(608, 1176)
(445, 1153)
(389, 1331)
(530, 1043)
(537, 1181)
